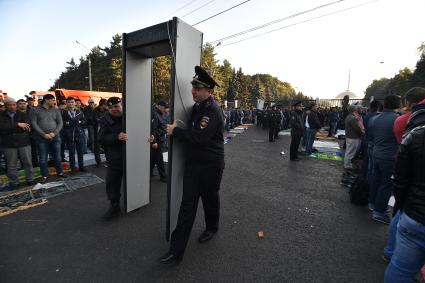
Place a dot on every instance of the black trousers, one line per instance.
(273, 133)
(96, 145)
(34, 152)
(114, 175)
(200, 180)
(158, 160)
(295, 143)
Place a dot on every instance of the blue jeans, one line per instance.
(90, 136)
(382, 186)
(75, 145)
(409, 254)
(310, 136)
(389, 249)
(53, 146)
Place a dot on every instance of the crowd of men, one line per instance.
(388, 139)
(386, 144)
(34, 136)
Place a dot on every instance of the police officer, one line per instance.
(112, 138)
(204, 166)
(275, 120)
(158, 132)
(297, 130)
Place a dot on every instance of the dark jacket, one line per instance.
(333, 117)
(11, 134)
(99, 114)
(380, 132)
(313, 120)
(275, 119)
(110, 127)
(158, 126)
(366, 124)
(90, 115)
(296, 122)
(203, 137)
(409, 177)
(73, 128)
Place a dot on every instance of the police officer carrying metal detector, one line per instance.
(112, 138)
(204, 166)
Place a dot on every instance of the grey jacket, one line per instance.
(44, 121)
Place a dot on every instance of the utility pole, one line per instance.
(90, 78)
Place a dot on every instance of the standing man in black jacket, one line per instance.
(112, 138)
(73, 133)
(15, 137)
(157, 143)
(204, 166)
(312, 125)
(275, 119)
(90, 114)
(409, 192)
(297, 130)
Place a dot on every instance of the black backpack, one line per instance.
(359, 191)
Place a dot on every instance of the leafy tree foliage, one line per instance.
(401, 82)
(234, 84)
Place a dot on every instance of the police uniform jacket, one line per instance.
(275, 119)
(203, 137)
(110, 127)
(297, 122)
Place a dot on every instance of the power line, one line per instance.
(221, 12)
(276, 21)
(297, 23)
(197, 9)
(181, 8)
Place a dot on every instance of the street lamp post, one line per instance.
(90, 79)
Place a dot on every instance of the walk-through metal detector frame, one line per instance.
(184, 44)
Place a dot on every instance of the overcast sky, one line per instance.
(38, 37)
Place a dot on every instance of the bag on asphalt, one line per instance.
(359, 191)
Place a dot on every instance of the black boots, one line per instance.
(113, 211)
(206, 236)
(170, 259)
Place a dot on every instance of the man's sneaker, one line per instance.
(29, 183)
(370, 206)
(386, 258)
(385, 219)
(43, 180)
(62, 175)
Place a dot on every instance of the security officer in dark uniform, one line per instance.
(297, 130)
(204, 166)
(275, 120)
(112, 138)
(158, 133)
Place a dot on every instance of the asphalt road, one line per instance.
(311, 232)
